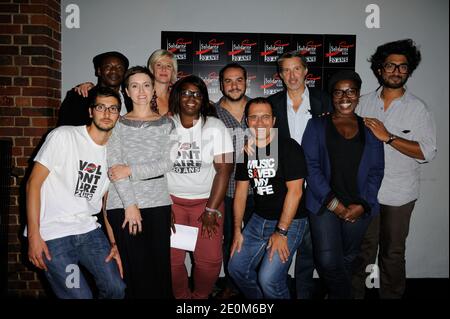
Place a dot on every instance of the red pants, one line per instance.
(207, 254)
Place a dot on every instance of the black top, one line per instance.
(345, 156)
(268, 171)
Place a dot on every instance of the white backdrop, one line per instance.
(134, 27)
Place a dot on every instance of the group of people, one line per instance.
(325, 176)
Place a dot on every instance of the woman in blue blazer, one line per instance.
(345, 164)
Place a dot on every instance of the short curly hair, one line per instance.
(405, 47)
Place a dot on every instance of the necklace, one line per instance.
(154, 103)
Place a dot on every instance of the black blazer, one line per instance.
(320, 103)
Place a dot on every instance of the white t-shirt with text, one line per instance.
(73, 190)
(193, 172)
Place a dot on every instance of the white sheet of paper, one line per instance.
(184, 238)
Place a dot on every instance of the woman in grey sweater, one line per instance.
(138, 204)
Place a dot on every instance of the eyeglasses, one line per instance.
(113, 109)
(390, 67)
(351, 93)
(194, 94)
(265, 118)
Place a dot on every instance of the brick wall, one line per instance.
(30, 92)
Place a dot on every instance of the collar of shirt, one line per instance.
(401, 99)
(227, 118)
(304, 108)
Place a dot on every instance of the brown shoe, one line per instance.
(227, 293)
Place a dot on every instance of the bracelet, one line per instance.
(215, 211)
(333, 204)
(281, 231)
(113, 244)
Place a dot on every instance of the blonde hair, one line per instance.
(158, 55)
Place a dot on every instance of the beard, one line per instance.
(386, 82)
(234, 99)
(103, 128)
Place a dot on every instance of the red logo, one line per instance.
(311, 77)
(212, 43)
(268, 85)
(179, 42)
(245, 43)
(182, 41)
(310, 45)
(182, 74)
(277, 43)
(275, 78)
(91, 168)
(342, 45)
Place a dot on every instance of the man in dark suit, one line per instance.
(293, 107)
(110, 69)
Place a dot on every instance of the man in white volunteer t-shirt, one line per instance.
(64, 191)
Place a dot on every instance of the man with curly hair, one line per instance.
(403, 122)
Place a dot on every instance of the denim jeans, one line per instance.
(336, 245)
(90, 250)
(228, 226)
(251, 269)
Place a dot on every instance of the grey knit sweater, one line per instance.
(145, 146)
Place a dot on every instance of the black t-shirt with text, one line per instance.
(268, 170)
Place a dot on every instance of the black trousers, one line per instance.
(146, 256)
(388, 231)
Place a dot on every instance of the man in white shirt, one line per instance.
(64, 191)
(406, 126)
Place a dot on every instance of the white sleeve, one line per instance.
(51, 153)
(222, 140)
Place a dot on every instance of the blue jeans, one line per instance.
(336, 245)
(90, 250)
(251, 269)
(228, 226)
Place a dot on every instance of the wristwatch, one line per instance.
(391, 138)
(281, 231)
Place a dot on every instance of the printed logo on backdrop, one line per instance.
(242, 49)
(89, 175)
(252, 83)
(206, 53)
(180, 44)
(272, 46)
(314, 78)
(210, 75)
(270, 81)
(311, 47)
(179, 48)
(189, 159)
(209, 49)
(340, 51)
(184, 70)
